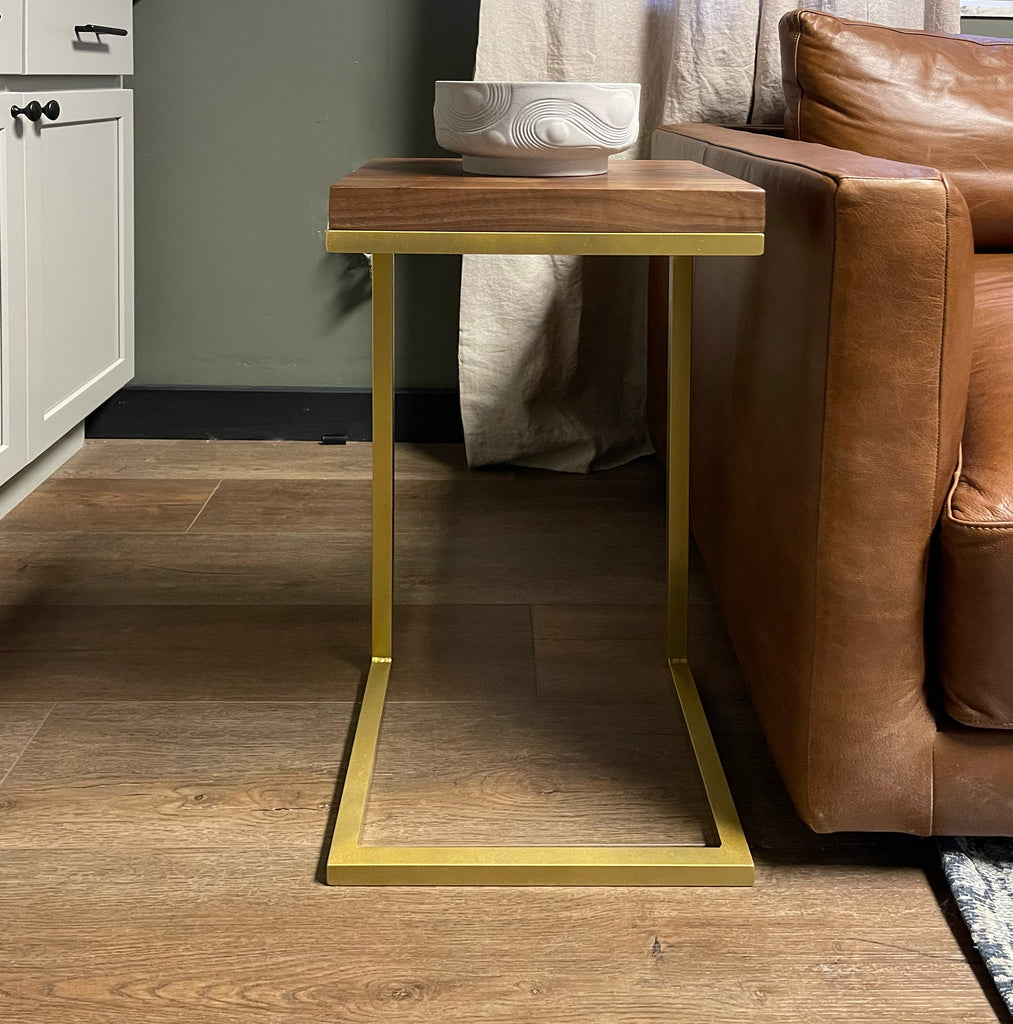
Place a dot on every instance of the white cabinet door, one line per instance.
(13, 446)
(79, 266)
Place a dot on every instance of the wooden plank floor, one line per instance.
(183, 635)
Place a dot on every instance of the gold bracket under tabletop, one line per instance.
(555, 243)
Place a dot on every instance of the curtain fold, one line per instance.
(552, 349)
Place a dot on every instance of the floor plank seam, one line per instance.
(200, 512)
(28, 743)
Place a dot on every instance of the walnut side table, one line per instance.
(668, 208)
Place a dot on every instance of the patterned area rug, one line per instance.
(980, 873)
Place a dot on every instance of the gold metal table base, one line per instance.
(728, 862)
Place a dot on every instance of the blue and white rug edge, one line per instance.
(979, 870)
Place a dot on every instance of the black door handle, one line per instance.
(51, 110)
(33, 110)
(100, 30)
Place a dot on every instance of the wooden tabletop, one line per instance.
(660, 196)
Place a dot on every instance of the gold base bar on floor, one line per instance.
(349, 863)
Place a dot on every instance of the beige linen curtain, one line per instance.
(552, 349)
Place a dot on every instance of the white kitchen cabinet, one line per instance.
(66, 228)
(66, 37)
(13, 390)
(79, 259)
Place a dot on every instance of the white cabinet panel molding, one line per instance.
(13, 446)
(78, 202)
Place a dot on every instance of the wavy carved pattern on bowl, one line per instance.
(537, 129)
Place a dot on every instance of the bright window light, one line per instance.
(986, 9)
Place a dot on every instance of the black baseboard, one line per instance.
(423, 415)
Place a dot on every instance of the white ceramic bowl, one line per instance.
(536, 129)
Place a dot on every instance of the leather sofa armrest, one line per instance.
(829, 383)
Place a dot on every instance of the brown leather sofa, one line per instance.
(852, 462)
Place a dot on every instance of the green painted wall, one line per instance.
(245, 114)
(999, 27)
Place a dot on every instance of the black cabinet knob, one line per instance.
(33, 110)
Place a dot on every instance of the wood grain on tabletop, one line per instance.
(635, 196)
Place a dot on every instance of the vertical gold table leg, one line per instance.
(680, 335)
(680, 328)
(383, 453)
(355, 792)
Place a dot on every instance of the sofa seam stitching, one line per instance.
(963, 524)
(801, 91)
(1002, 526)
(911, 31)
(967, 711)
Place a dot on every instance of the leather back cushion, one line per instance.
(917, 97)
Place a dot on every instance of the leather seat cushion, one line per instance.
(976, 574)
(919, 97)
